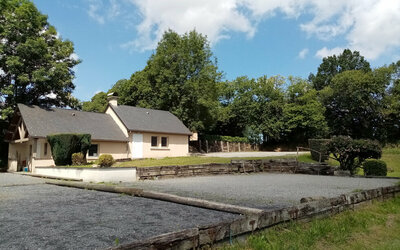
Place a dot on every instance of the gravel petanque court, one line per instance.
(34, 215)
(39, 216)
(263, 190)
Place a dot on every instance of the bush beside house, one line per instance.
(106, 160)
(64, 145)
(78, 159)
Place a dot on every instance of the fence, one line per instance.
(205, 146)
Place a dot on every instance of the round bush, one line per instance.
(375, 167)
(78, 159)
(106, 160)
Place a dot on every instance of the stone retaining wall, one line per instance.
(236, 166)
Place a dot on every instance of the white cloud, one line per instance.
(369, 26)
(302, 54)
(212, 18)
(94, 7)
(324, 52)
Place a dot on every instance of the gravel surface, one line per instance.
(251, 154)
(41, 216)
(265, 191)
(8, 179)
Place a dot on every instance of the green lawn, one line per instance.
(376, 226)
(193, 160)
(390, 155)
(392, 158)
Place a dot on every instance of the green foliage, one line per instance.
(35, 61)
(354, 103)
(181, 77)
(374, 167)
(253, 103)
(98, 103)
(225, 138)
(319, 145)
(78, 159)
(352, 153)
(64, 145)
(303, 113)
(106, 160)
(333, 65)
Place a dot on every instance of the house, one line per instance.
(125, 132)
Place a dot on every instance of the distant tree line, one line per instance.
(345, 97)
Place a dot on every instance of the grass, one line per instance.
(392, 158)
(194, 160)
(376, 226)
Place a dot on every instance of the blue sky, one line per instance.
(114, 38)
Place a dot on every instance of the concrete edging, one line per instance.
(89, 174)
(250, 220)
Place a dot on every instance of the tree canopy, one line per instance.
(36, 65)
(333, 65)
(181, 76)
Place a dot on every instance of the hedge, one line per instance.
(319, 145)
(374, 167)
(225, 138)
(64, 145)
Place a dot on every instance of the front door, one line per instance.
(137, 146)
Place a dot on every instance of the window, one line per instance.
(45, 149)
(93, 150)
(164, 141)
(154, 142)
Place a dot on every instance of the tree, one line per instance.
(253, 105)
(181, 77)
(354, 103)
(333, 65)
(36, 65)
(303, 113)
(352, 153)
(392, 105)
(98, 103)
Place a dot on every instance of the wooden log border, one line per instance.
(250, 219)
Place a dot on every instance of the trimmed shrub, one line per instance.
(106, 160)
(351, 153)
(319, 145)
(78, 159)
(374, 167)
(64, 145)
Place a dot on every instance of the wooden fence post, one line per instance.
(239, 146)
(206, 146)
(228, 145)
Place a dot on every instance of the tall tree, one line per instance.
(255, 105)
(333, 65)
(303, 113)
(354, 103)
(36, 65)
(182, 77)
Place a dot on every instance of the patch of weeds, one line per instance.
(116, 241)
(357, 190)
